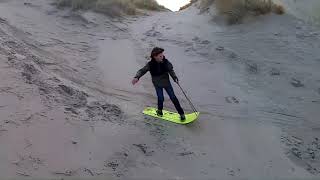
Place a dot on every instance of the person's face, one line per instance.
(159, 57)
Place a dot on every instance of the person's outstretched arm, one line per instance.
(140, 73)
(172, 73)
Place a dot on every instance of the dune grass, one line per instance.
(188, 5)
(236, 10)
(112, 7)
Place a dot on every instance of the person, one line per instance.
(160, 68)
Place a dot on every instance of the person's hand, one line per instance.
(134, 81)
(176, 80)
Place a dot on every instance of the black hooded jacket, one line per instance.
(159, 72)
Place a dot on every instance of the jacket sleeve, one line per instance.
(171, 71)
(143, 71)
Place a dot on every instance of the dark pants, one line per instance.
(172, 96)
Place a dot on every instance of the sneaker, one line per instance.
(159, 113)
(182, 117)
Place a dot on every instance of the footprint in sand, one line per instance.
(252, 68)
(230, 172)
(296, 83)
(232, 100)
(275, 72)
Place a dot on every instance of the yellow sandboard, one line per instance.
(171, 116)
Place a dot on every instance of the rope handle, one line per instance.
(191, 104)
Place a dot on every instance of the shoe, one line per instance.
(159, 113)
(182, 117)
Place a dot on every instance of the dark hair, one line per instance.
(156, 51)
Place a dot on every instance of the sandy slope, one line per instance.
(68, 109)
(264, 71)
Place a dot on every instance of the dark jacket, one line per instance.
(159, 72)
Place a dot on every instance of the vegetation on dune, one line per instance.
(236, 10)
(188, 5)
(112, 7)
